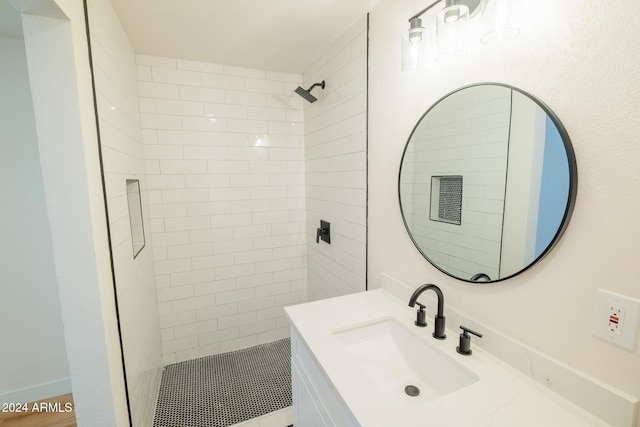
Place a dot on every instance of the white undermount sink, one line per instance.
(388, 357)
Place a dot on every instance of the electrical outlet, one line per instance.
(616, 319)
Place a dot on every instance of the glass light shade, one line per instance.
(499, 22)
(414, 57)
(453, 11)
(451, 30)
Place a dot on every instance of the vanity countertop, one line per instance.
(502, 396)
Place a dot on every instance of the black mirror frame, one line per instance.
(573, 180)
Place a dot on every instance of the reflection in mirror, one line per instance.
(135, 215)
(487, 182)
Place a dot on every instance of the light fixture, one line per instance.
(454, 11)
(453, 30)
(413, 55)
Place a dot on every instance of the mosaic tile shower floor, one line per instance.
(226, 389)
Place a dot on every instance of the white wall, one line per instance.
(115, 71)
(336, 162)
(34, 359)
(225, 172)
(576, 56)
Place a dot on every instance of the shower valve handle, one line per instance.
(319, 233)
(323, 232)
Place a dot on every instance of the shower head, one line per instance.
(306, 94)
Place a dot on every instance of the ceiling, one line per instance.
(279, 35)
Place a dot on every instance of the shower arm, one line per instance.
(316, 84)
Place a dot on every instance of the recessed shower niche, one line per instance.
(446, 199)
(135, 215)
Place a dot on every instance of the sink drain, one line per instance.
(412, 390)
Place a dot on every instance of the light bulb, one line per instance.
(413, 57)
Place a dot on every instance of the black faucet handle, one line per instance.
(421, 316)
(465, 341)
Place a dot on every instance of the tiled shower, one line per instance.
(224, 151)
(236, 172)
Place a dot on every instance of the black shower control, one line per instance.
(465, 341)
(324, 232)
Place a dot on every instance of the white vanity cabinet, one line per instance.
(316, 402)
(352, 356)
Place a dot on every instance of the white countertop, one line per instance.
(501, 397)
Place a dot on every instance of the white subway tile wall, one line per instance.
(124, 158)
(224, 149)
(336, 161)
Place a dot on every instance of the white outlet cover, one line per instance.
(628, 338)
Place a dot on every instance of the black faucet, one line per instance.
(439, 318)
(465, 341)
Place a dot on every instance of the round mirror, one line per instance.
(487, 182)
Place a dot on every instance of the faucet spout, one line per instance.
(439, 318)
(421, 289)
